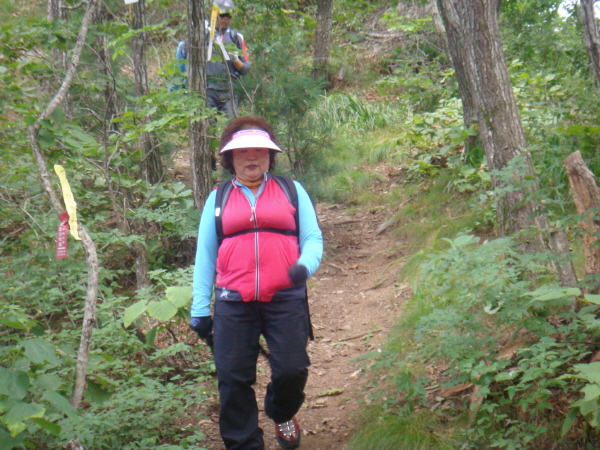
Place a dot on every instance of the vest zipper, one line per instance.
(257, 280)
(253, 219)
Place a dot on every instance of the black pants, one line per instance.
(237, 328)
(221, 101)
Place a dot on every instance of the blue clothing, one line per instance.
(310, 241)
(216, 72)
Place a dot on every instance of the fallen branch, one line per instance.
(358, 336)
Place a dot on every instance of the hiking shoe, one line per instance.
(288, 434)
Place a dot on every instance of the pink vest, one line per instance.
(256, 264)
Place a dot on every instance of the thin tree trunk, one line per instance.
(592, 41)
(474, 37)
(138, 250)
(200, 153)
(106, 69)
(91, 258)
(459, 62)
(151, 164)
(322, 42)
(57, 12)
(587, 201)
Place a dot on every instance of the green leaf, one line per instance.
(569, 421)
(179, 296)
(133, 312)
(466, 239)
(544, 293)
(39, 351)
(13, 383)
(592, 298)
(16, 412)
(589, 372)
(49, 426)
(12, 323)
(7, 442)
(151, 335)
(162, 310)
(60, 403)
(95, 393)
(591, 391)
(48, 381)
(586, 407)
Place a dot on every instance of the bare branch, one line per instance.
(87, 243)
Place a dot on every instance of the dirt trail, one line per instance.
(354, 301)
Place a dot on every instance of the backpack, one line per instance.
(223, 191)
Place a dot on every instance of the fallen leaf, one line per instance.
(330, 392)
(447, 392)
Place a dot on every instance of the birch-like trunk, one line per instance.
(91, 258)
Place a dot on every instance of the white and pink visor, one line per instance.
(250, 139)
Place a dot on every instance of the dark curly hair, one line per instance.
(245, 123)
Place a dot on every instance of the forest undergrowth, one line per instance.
(489, 350)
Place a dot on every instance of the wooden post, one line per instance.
(587, 198)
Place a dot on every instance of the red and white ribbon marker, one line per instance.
(61, 236)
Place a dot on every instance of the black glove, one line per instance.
(298, 274)
(202, 326)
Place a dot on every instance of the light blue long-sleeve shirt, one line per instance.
(310, 239)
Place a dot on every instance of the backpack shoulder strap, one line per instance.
(234, 37)
(289, 187)
(223, 191)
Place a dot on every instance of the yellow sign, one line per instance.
(213, 21)
(69, 200)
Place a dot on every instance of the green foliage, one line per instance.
(350, 112)
(397, 107)
(589, 406)
(475, 313)
(285, 98)
(405, 431)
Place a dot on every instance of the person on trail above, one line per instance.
(218, 93)
(257, 249)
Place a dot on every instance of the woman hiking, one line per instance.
(257, 249)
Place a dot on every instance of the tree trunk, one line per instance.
(91, 258)
(458, 60)
(475, 45)
(106, 69)
(587, 200)
(200, 153)
(592, 41)
(57, 11)
(322, 42)
(151, 164)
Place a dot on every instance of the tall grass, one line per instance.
(418, 431)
